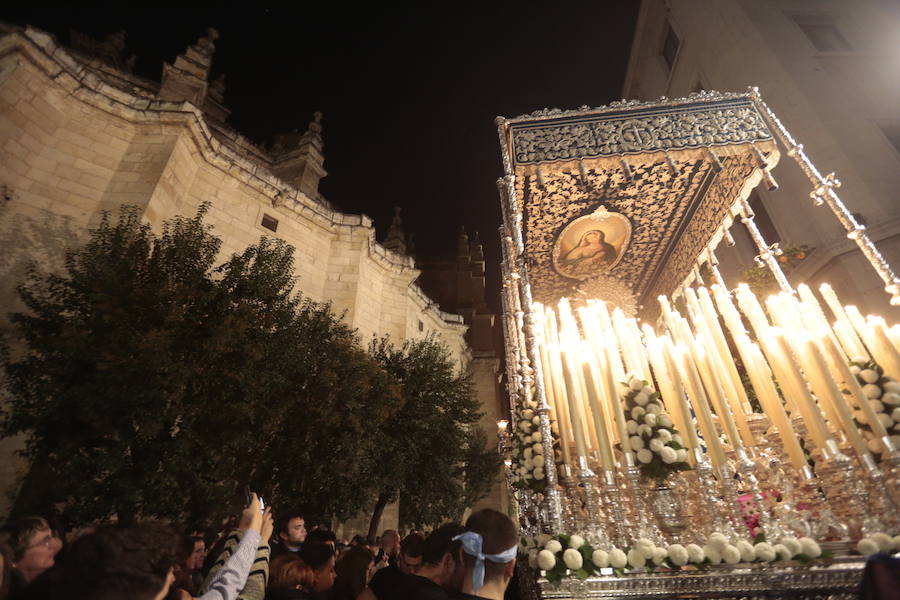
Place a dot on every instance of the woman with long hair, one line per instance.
(298, 576)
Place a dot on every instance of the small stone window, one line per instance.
(823, 33)
(670, 46)
(269, 222)
(421, 326)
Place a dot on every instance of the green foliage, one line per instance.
(432, 451)
(760, 278)
(151, 382)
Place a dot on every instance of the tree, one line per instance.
(434, 454)
(150, 382)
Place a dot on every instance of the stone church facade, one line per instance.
(80, 134)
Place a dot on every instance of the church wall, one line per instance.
(71, 147)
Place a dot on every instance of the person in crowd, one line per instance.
(33, 550)
(192, 552)
(301, 575)
(390, 577)
(5, 566)
(442, 568)
(489, 547)
(390, 548)
(354, 569)
(290, 530)
(321, 535)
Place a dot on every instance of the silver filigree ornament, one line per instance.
(610, 290)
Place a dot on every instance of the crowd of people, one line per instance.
(258, 559)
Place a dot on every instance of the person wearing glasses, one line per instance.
(34, 547)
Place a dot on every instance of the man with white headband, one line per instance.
(489, 548)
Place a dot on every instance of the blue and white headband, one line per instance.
(471, 543)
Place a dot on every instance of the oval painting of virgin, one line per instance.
(591, 244)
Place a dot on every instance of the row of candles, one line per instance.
(695, 371)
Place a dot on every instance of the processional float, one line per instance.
(669, 435)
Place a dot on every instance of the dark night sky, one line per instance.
(409, 99)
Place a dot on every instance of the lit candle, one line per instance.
(829, 395)
(761, 380)
(701, 407)
(894, 334)
(751, 307)
(783, 360)
(572, 394)
(890, 358)
(559, 386)
(615, 402)
(741, 402)
(681, 407)
(839, 365)
(590, 371)
(852, 345)
(667, 388)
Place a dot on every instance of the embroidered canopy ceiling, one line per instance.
(632, 193)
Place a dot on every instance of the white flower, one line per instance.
(526, 439)
(631, 426)
(874, 445)
(641, 399)
(891, 398)
(600, 558)
(731, 555)
(546, 560)
(637, 412)
(869, 375)
(867, 546)
(668, 455)
(664, 420)
(695, 553)
(650, 419)
(663, 435)
(765, 551)
(538, 448)
(748, 554)
(896, 544)
(876, 405)
(542, 539)
(886, 420)
(527, 413)
(527, 453)
(536, 420)
(810, 547)
(536, 436)
(782, 551)
(525, 426)
(636, 558)
(647, 390)
(859, 359)
(576, 541)
(861, 417)
(529, 463)
(718, 541)
(573, 559)
(884, 541)
(532, 558)
(654, 409)
(636, 442)
(617, 558)
(644, 456)
(678, 554)
(553, 546)
(645, 430)
(682, 455)
(855, 370)
(636, 384)
(538, 474)
(892, 385)
(713, 554)
(645, 547)
(871, 390)
(659, 556)
(792, 544)
(895, 414)
(676, 437)
(656, 445)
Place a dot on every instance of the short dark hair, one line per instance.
(413, 545)
(321, 536)
(281, 524)
(498, 533)
(116, 562)
(19, 531)
(440, 542)
(316, 554)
